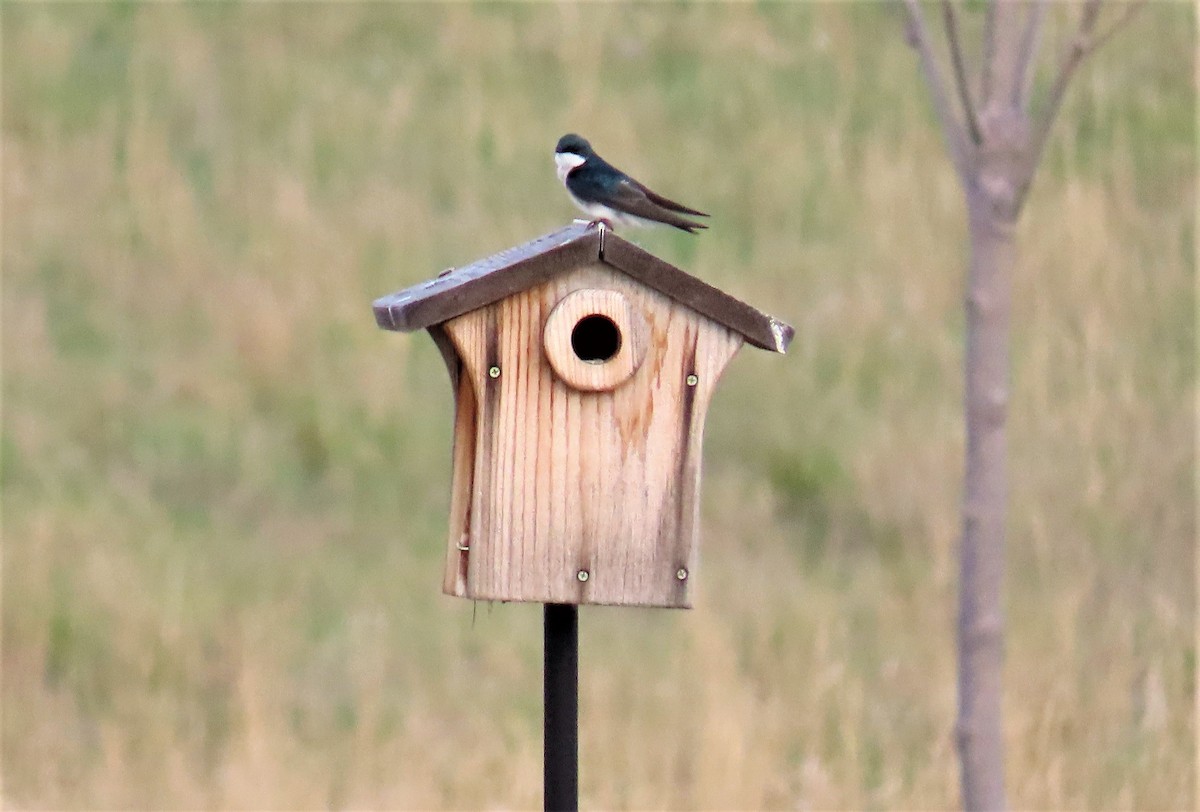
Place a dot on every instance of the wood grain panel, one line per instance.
(565, 481)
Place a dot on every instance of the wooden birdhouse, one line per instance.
(582, 369)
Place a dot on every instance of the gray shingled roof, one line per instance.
(481, 283)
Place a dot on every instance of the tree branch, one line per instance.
(1103, 37)
(989, 51)
(1023, 68)
(1082, 45)
(950, 18)
(1076, 51)
(918, 37)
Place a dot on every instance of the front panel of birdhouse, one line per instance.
(580, 412)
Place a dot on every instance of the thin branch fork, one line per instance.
(950, 18)
(1084, 43)
(989, 50)
(1023, 68)
(1131, 9)
(961, 153)
(1076, 51)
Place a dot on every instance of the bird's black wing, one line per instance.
(666, 202)
(630, 196)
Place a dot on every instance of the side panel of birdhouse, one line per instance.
(458, 551)
(576, 495)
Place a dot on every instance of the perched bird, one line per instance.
(608, 194)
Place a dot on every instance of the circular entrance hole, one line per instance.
(595, 339)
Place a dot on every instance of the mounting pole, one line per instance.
(560, 788)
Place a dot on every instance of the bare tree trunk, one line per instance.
(979, 731)
(995, 143)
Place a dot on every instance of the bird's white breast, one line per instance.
(565, 162)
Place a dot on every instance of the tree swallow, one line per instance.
(606, 193)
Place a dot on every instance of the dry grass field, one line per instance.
(225, 490)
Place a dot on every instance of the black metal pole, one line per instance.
(560, 790)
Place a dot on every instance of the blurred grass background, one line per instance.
(225, 490)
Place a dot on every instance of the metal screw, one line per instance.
(583, 575)
(493, 372)
(681, 574)
(692, 380)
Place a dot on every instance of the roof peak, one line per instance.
(461, 290)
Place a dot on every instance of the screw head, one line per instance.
(692, 380)
(583, 575)
(493, 372)
(681, 574)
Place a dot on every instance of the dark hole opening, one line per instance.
(595, 339)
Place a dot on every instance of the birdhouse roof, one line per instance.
(461, 290)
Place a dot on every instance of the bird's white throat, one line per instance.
(565, 162)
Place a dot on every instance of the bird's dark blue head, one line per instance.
(572, 152)
(573, 144)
